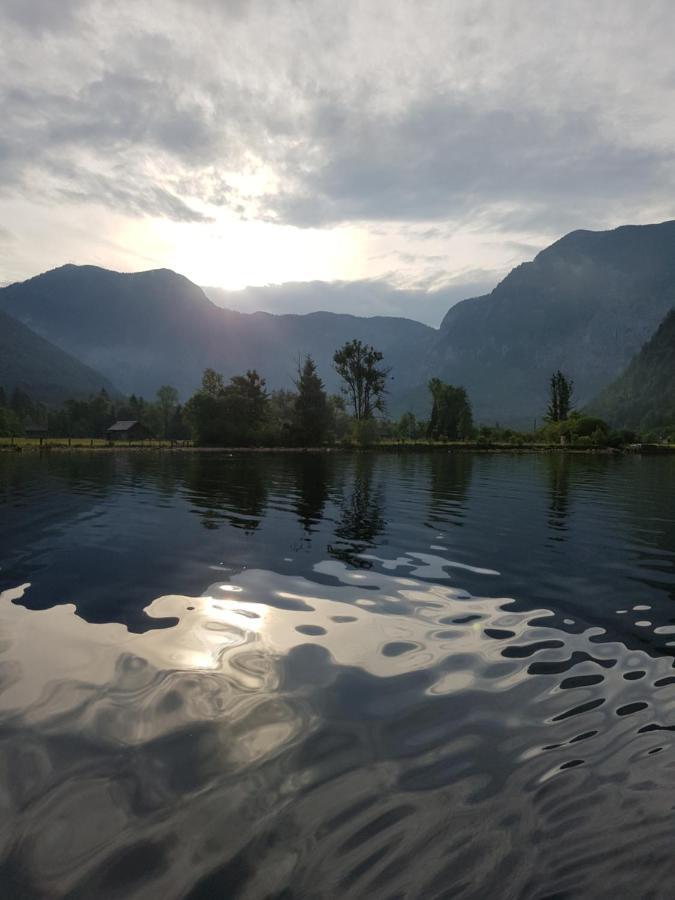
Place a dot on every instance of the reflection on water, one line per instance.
(559, 475)
(360, 520)
(418, 676)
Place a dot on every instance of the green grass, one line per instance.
(389, 444)
(33, 443)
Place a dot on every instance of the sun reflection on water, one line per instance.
(381, 686)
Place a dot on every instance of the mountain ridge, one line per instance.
(643, 396)
(585, 305)
(44, 371)
(157, 327)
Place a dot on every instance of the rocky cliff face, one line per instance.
(585, 305)
(643, 397)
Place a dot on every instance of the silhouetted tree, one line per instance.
(451, 416)
(228, 414)
(311, 415)
(560, 403)
(167, 401)
(212, 383)
(365, 381)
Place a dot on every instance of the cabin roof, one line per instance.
(124, 425)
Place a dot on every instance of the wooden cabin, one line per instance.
(127, 430)
(33, 430)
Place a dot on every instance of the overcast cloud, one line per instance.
(431, 139)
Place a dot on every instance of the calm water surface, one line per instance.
(381, 676)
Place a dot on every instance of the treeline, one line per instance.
(562, 424)
(162, 417)
(241, 412)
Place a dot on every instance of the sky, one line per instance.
(366, 156)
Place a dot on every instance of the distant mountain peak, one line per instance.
(585, 305)
(145, 329)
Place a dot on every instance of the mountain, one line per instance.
(47, 373)
(146, 329)
(377, 296)
(584, 305)
(643, 397)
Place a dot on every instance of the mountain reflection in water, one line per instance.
(419, 676)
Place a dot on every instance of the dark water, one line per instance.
(330, 677)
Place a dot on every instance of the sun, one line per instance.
(232, 253)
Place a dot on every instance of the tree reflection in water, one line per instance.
(231, 489)
(558, 468)
(313, 475)
(361, 517)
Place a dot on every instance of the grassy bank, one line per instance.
(53, 443)
(35, 445)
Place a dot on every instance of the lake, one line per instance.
(336, 676)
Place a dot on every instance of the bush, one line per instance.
(365, 432)
(622, 437)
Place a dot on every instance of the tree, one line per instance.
(9, 422)
(560, 403)
(311, 415)
(339, 421)
(280, 414)
(365, 381)
(167, 401)
(408, 428)
(229, 414)
(212, 383)
(451, 415)
(21, 404)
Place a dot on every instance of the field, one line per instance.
(34, 443)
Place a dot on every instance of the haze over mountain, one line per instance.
(152, 328)
(47, 373)
(585, 305)
(373, 297)
(643, 397)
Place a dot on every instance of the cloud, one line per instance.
(446, 158)
(39, 16)
(509, 117)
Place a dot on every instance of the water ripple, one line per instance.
(361, 677)
(322, 746)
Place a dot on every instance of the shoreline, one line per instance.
(32, 446)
